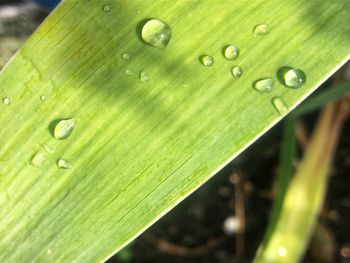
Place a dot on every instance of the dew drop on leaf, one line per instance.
(237, 72)
(107, 8)
(63, 164)
(263, 85)
(156, 33)
(43, 98)
(206, 60)
(291, 77)
(279, 105)
(38, 159)
(129, 72)
(126, 56)
(261, 29)
(64, 128)
(6, 101)
(231, 52)
(143, 76)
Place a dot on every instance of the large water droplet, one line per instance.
(6, 101)
(279, 105)
(38, 159)
(156, 33)
(126, 56)
(206, 60)
(107, 8)
(63, 164)
(263, 85)
(237, 72)
(64, 128)
(231, 52)
(291, 77)
(143, 76)
(261, 29)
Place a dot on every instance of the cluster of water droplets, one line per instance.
(62, 130)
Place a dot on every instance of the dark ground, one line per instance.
(193, 232)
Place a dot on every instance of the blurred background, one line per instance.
(225, 220)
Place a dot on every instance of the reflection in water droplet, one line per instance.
(263, 85)
(261, 29)
(237, 72)
(107, 8)
(206, 60)
(126, 56)
(279, 105)
(129, 72)
(156, 33)
(64, 128)
(38, 159)
(63, 164)
(231, 52)
(144, 76)
(291, 77)
(6, 101)
(43, 98)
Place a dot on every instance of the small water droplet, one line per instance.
(107, 8)
(260, 30)
(126, 56)
(279, 104)
(43, 98)
(231, 52)
(291, 77)
(138, 12)
(206, 60)
(64, 128)
(48, 149)
(264, 85)
(38, 159)
(156, 33)
(237, 72)
(129, 72)
(6, 101)
(282, 251)
(144, 76)
(63, 164)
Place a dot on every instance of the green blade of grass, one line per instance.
(139, 148)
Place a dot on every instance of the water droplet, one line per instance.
(107, 8)
(43, 98)
(63, 164)
(126, 56)
(263, 85)
(291, 77)
(6, 101)
(156, 33)
(138, 12)
(282, 252)
(206, 60)
(64, 128)
(144, 76)
(237, 72)
(38, 159)
(261, 29)
(231, 52)
(129, 72)
(279, 104)
(48, 149)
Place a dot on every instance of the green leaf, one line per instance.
(139, 148)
